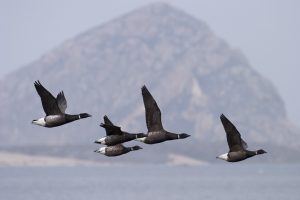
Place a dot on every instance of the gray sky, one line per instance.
(267, 31)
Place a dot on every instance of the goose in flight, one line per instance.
(114, 134)
(116, 150)
(156, 132)
(54, 109)
(237, 146)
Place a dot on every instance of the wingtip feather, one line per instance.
(222, 116)
(102, 125)
(144, 88)
(37, 83)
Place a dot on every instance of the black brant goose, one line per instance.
(156, 132)
(54, 109)
(116, 150)
(237, 146)
(114, 134)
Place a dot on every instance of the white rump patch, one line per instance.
(223, 156)
(101, 140)
(40, 122)
(101, 150)
(141, 139)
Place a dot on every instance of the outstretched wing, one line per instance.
(61, 102)
(153, 114)
(234, 139)
(244, 144)
(111, 129)
(108, 122)
(48, 100)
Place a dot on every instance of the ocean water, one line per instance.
(152, 182)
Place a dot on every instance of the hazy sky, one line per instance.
(267, 32)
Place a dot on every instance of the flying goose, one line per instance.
(237, 146)
(54, 108)
(156, 132)
(114, 134)
(116, 150)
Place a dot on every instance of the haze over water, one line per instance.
(148, 182)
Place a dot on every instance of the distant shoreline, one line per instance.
(12, 159)
(20, 160)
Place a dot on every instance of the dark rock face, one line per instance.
(193, 75)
